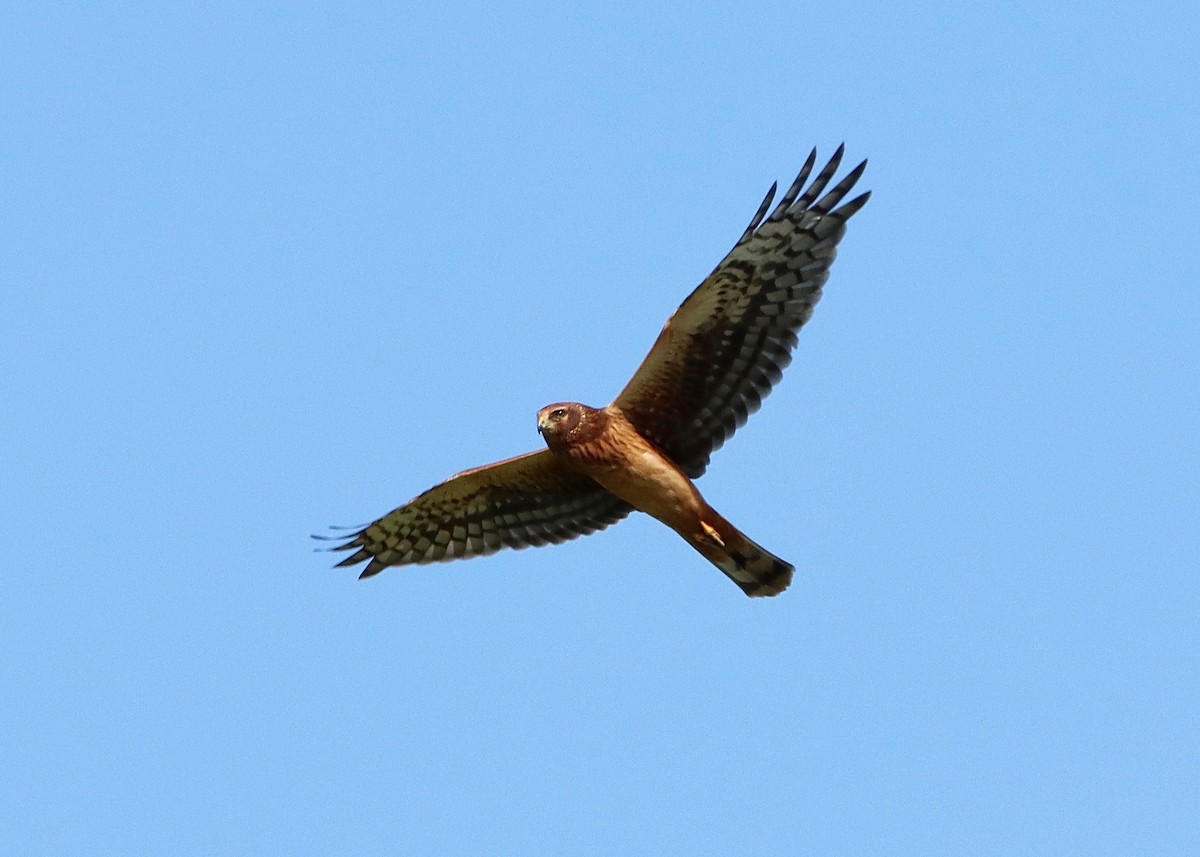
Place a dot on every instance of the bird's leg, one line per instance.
(711, 533)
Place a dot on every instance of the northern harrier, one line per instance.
(716, 358)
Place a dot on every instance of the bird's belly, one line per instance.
(654, 485)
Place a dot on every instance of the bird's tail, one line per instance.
(748, 564)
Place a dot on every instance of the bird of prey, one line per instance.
(716, 358)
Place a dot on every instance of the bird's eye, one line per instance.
(558, 413)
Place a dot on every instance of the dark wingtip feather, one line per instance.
(797, 185)
(327, 538)
(373, 568)
(822, 179)
(362, 555)
(851, 208)
(829, 200)
(348, 538)
(758, 215)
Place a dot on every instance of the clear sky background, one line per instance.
(267, 268)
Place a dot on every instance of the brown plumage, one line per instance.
(715, 360)
(603, 444)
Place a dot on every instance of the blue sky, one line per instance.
(272, 267)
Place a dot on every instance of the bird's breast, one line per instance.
(632, 469)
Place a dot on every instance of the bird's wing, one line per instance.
(725, 347)
(525, 501)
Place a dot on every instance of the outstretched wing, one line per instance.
(726, 346)
(528, 500)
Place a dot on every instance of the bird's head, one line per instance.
(560, 422)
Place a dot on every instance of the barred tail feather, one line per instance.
(748, 564)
